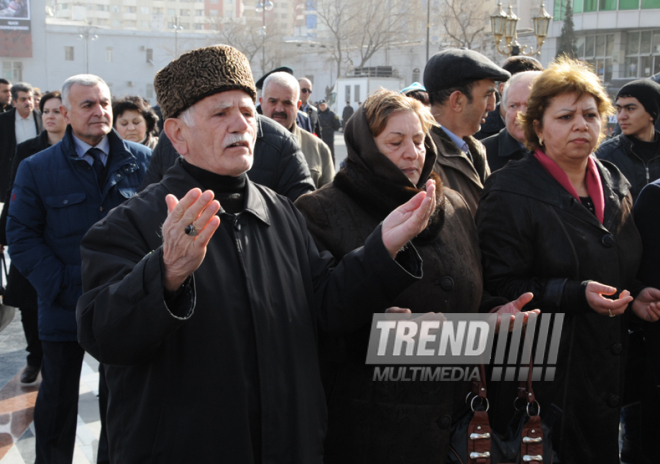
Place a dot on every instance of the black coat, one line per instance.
(240, 363)
(391, 422)
(278, 162)
(620, 150)
(329, 124)
(502, 148)
(8, 146)
(313, 114)
(647, 218)
(20, 292)
(535, 237)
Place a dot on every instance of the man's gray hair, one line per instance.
(187, 117)
(515, 78)
(285, 80)
(88, 80)
(20, 87)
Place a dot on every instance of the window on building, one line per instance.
(115, 8)
(116, 23)
(628, 4)
(185, 12)
(12, 70)
(130, 9)
(347, 92)
(171, 12)
(68, 53)
(356, 93)
(150, 55)
(185, 25)
(109, 54)
(607, 5)
(642, 53)
(145, 24)
(648, 4)
(158, 11)
(144, 9)
(214, 1)
(199, 12)
(213, 13)
(590, 5)
(597, 51)
(149, 91)
(90, 7)
(199, 26)
(283, 15)
(64, 6)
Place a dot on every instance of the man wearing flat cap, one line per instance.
(636, 151)
(461, 87)
(202, 294)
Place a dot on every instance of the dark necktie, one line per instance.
(97, 165)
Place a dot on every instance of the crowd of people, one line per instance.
(210, 237)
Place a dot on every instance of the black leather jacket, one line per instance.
(278, 162)
(620, 150)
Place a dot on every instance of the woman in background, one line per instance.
(136, 121)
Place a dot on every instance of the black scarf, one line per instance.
(377, 184)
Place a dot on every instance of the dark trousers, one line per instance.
(330, 142)
(56, 410)
(103, 456)
(29, 319)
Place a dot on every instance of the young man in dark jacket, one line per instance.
(636, 151)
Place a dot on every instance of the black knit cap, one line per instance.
(646, 91)
(453, 67)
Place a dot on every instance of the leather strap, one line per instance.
(479, 434)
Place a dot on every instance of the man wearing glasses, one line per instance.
(305, 93)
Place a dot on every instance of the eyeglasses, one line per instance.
(306, 90)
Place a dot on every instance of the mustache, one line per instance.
(280, 115)
(231, 139)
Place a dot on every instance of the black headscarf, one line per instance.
(376, 183)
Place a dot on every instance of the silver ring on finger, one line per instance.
(191, 230)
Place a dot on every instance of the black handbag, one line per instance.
(526, 440)
(6, 312)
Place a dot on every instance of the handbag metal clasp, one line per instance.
(479, 436)
(528, 458)
(475, 455)
(532, 439)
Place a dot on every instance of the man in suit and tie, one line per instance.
(21, 123)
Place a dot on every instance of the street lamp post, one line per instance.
(505, 25)
(87, 33)
(176, 28)
(262, 8)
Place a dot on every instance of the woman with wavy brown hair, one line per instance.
(559, 224)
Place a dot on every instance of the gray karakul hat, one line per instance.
(201, 73)
(453, 67)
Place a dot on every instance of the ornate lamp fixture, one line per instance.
(505, 25)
